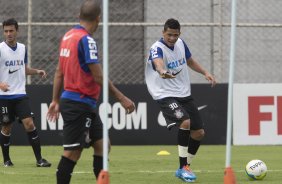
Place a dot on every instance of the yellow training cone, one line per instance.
(163, 153)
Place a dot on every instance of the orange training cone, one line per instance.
(103, 177)
(229, 176)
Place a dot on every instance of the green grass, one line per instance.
(141, 165)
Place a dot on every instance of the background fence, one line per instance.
(137, 24)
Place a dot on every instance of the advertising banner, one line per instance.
(257, 114)
(145, 126)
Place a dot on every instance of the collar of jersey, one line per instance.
(162, 41)
(80, 27)
(13, 48)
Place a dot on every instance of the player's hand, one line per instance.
(127, 104)
(211, 79)
(4, 86)
(53, 112)
(42, 73)
(167, 75)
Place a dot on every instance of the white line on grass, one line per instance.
(148, 171)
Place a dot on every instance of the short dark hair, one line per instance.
(172, 24)
(10, 22)
(90, 10)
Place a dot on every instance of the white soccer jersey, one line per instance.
(175, 62)
(12, 68)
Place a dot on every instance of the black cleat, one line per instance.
(8, 163)
(43, 163)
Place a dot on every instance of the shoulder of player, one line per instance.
(181, 43)
(157, 44)
(179, 40)
(87, 39)
(20, 44)
(2, 44)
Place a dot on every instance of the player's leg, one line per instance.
(77, 130)
(5, 143)
(67, 164)
(34, 141)
(23, 112)
(184, 172)
(175, 114)
(7, 116)
(194, 143)
(98, 157)
(33, 137)
(183, 140)
(196, 128)
(96, 134)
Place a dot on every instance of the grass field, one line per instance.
(141, 165)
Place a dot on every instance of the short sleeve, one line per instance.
(89, 50)
(187, 51)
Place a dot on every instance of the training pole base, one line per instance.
(229, 176)
(103, 178)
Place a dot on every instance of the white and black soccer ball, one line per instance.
(256, 170)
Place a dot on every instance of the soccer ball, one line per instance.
(256, 170)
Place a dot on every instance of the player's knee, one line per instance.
(98, 147)
(198, 134)
(201, 133)
(185, 124)
(6, 129)
(28, 124)
(29, 127)
(73, 155)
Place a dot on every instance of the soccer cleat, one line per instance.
(43, 163)
(185, 174)
(8, 163)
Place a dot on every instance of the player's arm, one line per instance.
(53, 111)
(156, 56)
(159, 65)
(194, 65)
(96, 71)
(88, 48)
(33, 71)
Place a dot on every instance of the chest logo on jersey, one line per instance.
(175, 64)
(13, 71)
(14, 63)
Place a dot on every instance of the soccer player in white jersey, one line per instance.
(14, 102)
(167, 79)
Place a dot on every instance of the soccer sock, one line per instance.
(193, 148)
(5, 145)
(97, 165)
(183, 139)
(35, 143)
(64, 170)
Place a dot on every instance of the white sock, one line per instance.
(182, 151)
(190, 158)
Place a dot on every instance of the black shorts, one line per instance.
(176, 110)
(82, 126)
(14, 108)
